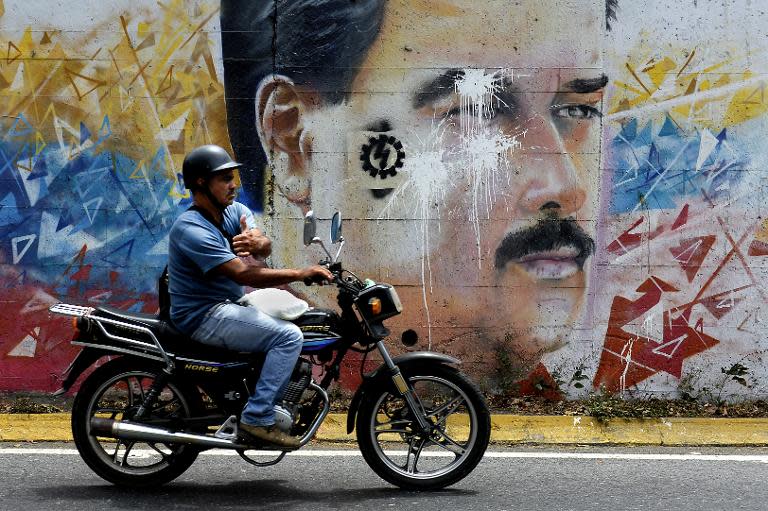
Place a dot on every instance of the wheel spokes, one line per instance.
(394, 423)
(449, 444)
(165, 405)
(442, 413)
(130, 392)
(161, 453)
(128, 446)
(433, 456)
(120, 397)
(114, 412)
(141, 390)
(413, 468)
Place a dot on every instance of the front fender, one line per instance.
(404, 362)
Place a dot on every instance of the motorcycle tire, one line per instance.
(115, 390)
(460, 428)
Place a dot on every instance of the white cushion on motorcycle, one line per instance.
(276, 303)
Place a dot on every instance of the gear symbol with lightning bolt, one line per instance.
(378, 153)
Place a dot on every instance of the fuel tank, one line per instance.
(321, 329)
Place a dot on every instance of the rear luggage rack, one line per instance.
(86, 312)
(70, 310)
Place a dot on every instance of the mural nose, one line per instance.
(552, 183)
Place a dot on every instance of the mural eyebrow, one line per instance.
(586, 85)
(437, 88)
(380, 125)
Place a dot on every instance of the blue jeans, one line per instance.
(237, 328)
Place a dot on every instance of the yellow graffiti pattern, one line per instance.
(154, 79)
(689, 90)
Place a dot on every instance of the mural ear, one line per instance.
(280, 112)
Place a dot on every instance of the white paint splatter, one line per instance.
(626, 356)
(486, 155)
(429, 179)
(480, 162)
(477, 91)
(485, 150)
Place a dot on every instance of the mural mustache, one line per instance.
(549, 234)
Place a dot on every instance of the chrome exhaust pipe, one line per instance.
(132, 431)
(129, 431)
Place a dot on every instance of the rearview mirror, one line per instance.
(336, 227)
(310, 228)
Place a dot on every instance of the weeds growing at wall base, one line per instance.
(606, 406)
(34, 403)
(599, 405)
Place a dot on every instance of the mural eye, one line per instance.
(575, 112)
(453, 112)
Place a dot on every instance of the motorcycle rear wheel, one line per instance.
(115, 391)
(399, 453)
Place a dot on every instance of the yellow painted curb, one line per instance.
(35, 427)
(505, 429)
(658, 431)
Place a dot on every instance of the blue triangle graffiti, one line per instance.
(121, 256)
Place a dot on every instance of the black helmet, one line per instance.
(204, 161)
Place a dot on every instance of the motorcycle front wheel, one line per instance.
(115, 391)
(401, 453)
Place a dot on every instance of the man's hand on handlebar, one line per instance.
(316, 274)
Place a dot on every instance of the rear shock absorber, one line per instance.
(154, 391)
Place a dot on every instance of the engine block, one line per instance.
(302, 375)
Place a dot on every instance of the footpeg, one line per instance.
(228, 430)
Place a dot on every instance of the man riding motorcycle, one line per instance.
(206, 278)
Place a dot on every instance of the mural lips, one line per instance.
(553, 248)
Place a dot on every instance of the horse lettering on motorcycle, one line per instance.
(203, 368)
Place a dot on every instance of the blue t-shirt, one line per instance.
(195, 247)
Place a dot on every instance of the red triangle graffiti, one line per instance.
(83, 274)
(722, 303)
(628, 358)
(628, 240)
(682, 218)
(690, 254)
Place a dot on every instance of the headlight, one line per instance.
(378, 302)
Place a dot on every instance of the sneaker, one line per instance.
(267, 435)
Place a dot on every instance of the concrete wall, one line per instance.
(563, 206)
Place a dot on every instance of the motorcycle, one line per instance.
(141, 418)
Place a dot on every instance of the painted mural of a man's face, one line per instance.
(487, 223)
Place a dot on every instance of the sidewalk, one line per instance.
(534, 429)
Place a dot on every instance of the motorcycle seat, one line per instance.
(171, 339)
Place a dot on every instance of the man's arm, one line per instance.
(255, 276)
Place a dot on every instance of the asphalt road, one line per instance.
(52, 477)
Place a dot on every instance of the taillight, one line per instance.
(77, 325)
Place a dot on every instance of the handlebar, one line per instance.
(310, 281)
(350, 282)
(320, 280)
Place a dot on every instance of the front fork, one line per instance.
(404, 389)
